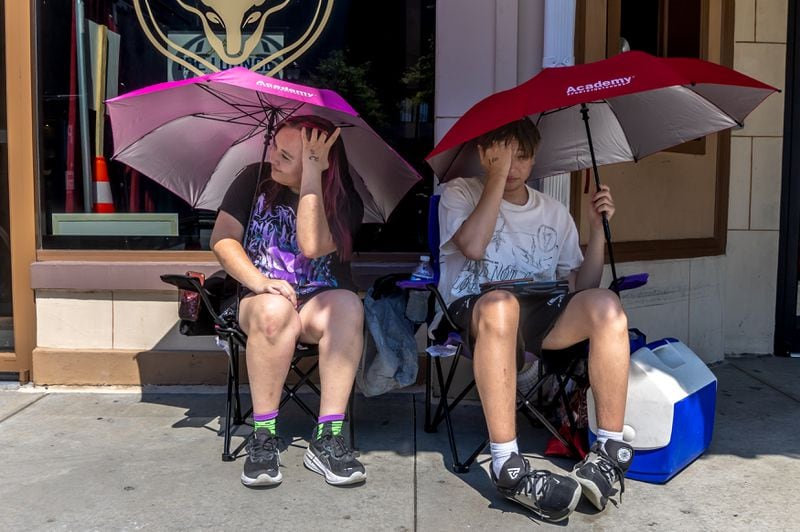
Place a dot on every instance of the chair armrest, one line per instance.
(629, 282)
(408, 284)
(183, 282)
(187, 282)
(433, 289)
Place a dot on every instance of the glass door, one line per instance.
(787, 315)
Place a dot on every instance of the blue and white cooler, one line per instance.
(669, 417)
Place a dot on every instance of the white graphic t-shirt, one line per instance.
(538, 239)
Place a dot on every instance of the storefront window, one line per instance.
(378, 55)
(695, 174)
(666, 28)
(6, 321)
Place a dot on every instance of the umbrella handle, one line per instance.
(606, 227)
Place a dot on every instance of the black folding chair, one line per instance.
(211, 322)
(560, 366)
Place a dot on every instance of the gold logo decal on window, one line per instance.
(234, 30)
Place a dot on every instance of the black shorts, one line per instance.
(538, 314)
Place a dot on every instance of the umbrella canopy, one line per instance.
(636, 104)
(193, 136)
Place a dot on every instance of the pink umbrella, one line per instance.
(193, 136)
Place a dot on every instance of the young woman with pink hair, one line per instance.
(287, 237)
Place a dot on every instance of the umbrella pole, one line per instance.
(606, 227)
(269, 132)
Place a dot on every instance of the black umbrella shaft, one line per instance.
(606, 227)
(269, 133)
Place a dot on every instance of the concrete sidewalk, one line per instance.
(124, 461)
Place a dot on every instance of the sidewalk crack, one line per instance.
(23, 407)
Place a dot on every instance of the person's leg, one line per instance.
(272, 327)
(495, 319)
(494, 325)
(598, 315)
(334, 320)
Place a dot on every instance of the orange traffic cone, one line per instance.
(103, 200)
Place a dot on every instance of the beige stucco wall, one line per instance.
(751, 262)
(144, 320)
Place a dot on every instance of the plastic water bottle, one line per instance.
(424, 270)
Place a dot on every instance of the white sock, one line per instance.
(500, 453)
(603, 435)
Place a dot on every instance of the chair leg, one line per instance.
(291, 391)
(238, 420)
(444, 387)
(227, 456)
(445, 407)
(549, 426)
(438, 416)
(352, 419)
(428, 395)
(530, 408)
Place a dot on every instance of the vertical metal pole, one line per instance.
(83, 105)
(606, 228)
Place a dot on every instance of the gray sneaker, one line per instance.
(603, 467)
(262, 465)
(329, 456)
(551, 497)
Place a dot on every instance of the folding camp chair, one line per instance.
(231, 336)
(560, 365)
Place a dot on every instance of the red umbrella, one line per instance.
(637, 104)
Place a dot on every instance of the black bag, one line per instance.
(196, 320)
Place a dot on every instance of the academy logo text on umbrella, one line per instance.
(599, 85)
(283, 88)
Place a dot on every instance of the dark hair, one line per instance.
(523, 131)
(337, 184)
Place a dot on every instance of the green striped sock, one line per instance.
(334, 421)
(265, 421)
(265, 425)
(336, 427)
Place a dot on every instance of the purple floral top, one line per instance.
(271, 238)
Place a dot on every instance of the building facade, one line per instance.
(87, 304)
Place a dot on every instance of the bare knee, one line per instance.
(349, 309)
(496, 314)
(333, 314)
(606, 312)
(272, 316)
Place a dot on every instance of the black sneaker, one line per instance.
(604, 466)
(551, 497)
(329, 456)
(262, 465)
